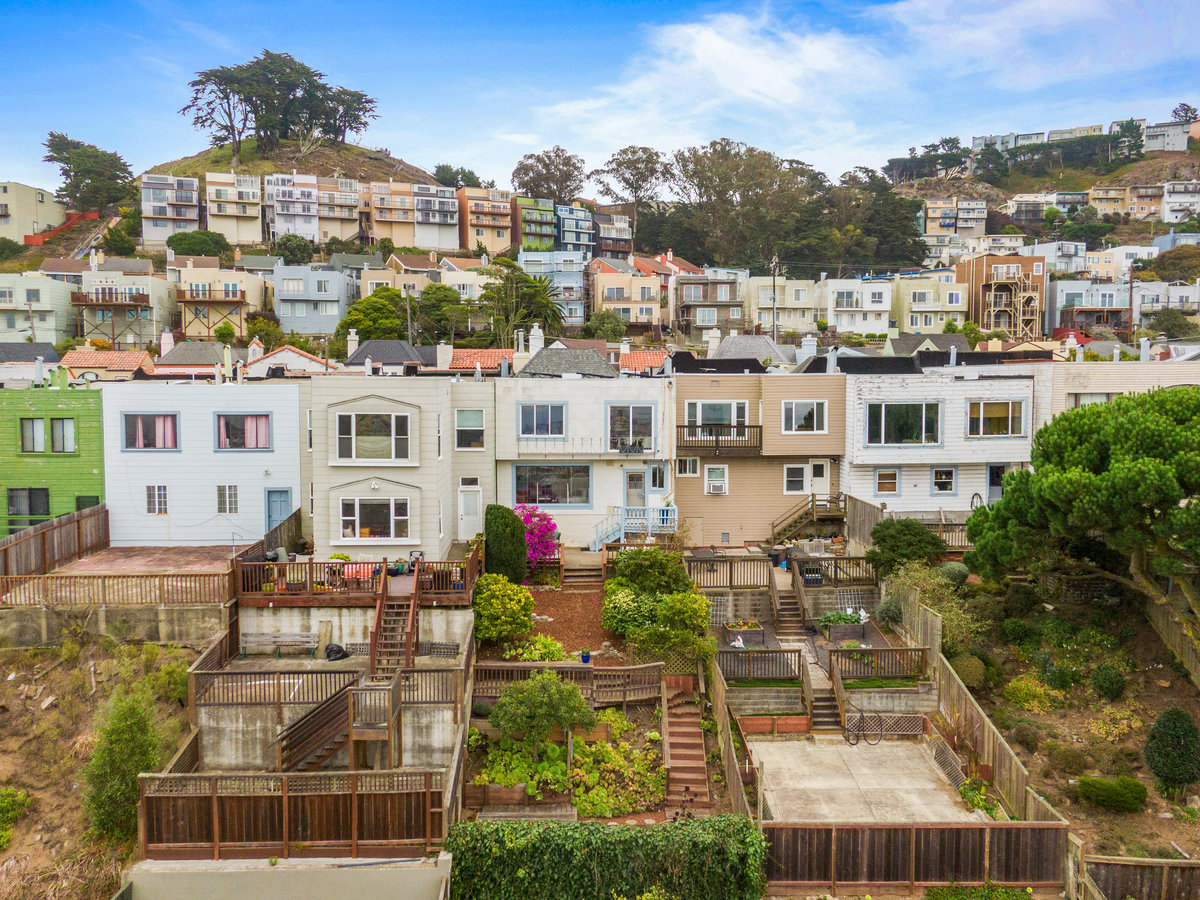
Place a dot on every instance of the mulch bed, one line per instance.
(576, 624)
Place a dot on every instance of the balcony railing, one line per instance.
(183, 295)
(84, 298)
(719, 440)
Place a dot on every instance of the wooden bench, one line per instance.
(278, 640)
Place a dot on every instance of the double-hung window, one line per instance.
(720, 418)
(377, 519)
(156, 499)
(33, 435)
(553, 485)
(227, 499)
(803, 416)
(62, 435)
(543, 420)
(716, 479)
(150, 431)
(943, 480)
(887, 481)
(995, 418)
(793, 479)
(374, 436)
(630, 428)
(687, 466)
(903, 423)
(240, 432)
(468, 429)
(706, 315)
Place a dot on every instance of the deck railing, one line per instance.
(315, 729)
(184, 589)
(604, 686)
(886, 662)
(333, 583)
(265, 688)
(717, 440)
(447, 582)
(740, 665)
(729, 571)
(836, 571)
(953, 533)
(44, 547)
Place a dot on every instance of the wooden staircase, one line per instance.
(825, 716)
(789, 524)
(392, 638)
(686, 742)
(317, 735)
(583, 572)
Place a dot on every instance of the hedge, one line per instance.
(504, 543)
(720, 856)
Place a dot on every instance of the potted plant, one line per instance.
(751, 632)
(268, 587)
(585, 655)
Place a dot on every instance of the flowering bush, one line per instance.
(503, 610)
(539, 534)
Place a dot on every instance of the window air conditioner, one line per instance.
(716, 487)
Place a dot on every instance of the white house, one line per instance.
(197, 463)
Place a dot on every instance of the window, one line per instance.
(375, 519)
(33, 295)
(1037, 268)
(227, 499)
(902, 423)
(469, 481)
(468, 429)
(995, 418)
(687, 466)
(919, 297)
(803, 416)
(793, 479)
(887, 481)
(735, 312)
(706, 315)
(156, 499)
(33, 435)
(647, 293)
(722, 293)
(716, 479)
(27, 506)
(713, 418)
(323, 286)
(372, 436)
(645, 312)
(439, 435)
(553, 485)
(308, 422)
(62, 435)
(295, 309)
(236, 432)
(86, 501)
(800, 295)
(928, 320)
(630, 427)
(543, 419)
(943, 481)
(913, 320)
(614, 293)
(658, 476)
(693, 293)
(954, 298)
(325, 308)
(292, 285)
(150, 432)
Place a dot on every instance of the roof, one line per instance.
(462, 263)
(1105, 348)
(932, 358)
(387, 353)
(198, 262)
(419, 262)
(650, 264)
(27, 352)
(597, 344)
(553, 362)
(258, 262)
(682, 264)
(356, 260)
(865, 365)
(126, 266)
(617, 265)
(686, 363)
(61, 264)
(200, 353)
(641, 360)
(286, 348)
(753, 346)
(907, 344)
(488, 359)
(111, 360)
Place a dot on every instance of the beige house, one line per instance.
(926, 303)
(209, 297)
(484, 216)
(797, 304)
(339, 204)
(413, 215)
(234, 206)
(27, 210)
(634, 295)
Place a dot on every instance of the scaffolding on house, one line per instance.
(1013, 303)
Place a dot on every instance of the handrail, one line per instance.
(314, 729)
(376, 628)
(774, 596)
(806, 503)
(798, 589)
(882, 662)
(410, 636)
(666, 733)
(851, 735)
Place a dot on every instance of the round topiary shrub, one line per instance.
(1108, 681)
(1124, 794)
(971, 670)
(956, 573)
(503, 610)
(1172, 750)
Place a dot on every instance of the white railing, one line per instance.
(625, 520)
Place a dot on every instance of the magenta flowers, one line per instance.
(539, 534)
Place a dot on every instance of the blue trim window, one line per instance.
(243, 431)
(553, 485)
(630, 428)
(903, 423)
(658, 476)
(995, 418)
(543, 419)
(887, 482)
(151, 431)
(943, 481)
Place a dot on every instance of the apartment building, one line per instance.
(209, 297)
(51, 453)
(311, 299)
(750, 448)
(566, 271)
(1001, 244)
(634, 295)
(708, 300)
(414, 215)
(1115, 263)
(576, 230)
(614, 235)
(35, 308)
(792, 304)
(1067, 134)
(290, 205)
(923, 303)
(1007, 141)
(485, 217)
(1083, 305)
(534, 224)
(1060, 256)
(27, 210)
(1173, 239)
(1180, 200)
(955, 216)
(944, 249)
(1170, 136)
(1005, 292)
(234, 206)
(193, 463)
(170, 205)
(121, 301)
(1027, 210)
(339, 209)
(855, 305)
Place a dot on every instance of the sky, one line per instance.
(837, 85)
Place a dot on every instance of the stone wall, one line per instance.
(31, 626)
(764, 701)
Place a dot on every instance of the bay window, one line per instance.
(375, 436)
(375, 519)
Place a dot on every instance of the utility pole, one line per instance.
(774, 302)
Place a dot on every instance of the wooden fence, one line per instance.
(42, 548)
(733, 776)
(747, 664)
(315, 814)
(276, 689)
(332, 583)
(861, 517)
(729, 571)
(953, 533)
(1168, 624)
(1144, 879)
(603, 686)
(190, 589)
(889, 662)
(836, 571)
(284, 535)
(447, 582)
(862, 857)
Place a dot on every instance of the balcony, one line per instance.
(482, 222)
(184, 295)
(719, 440)
(855, 303)
(490, 209)
(105, 298)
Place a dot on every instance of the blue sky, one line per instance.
(480, 84)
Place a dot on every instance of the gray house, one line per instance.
(312, 299)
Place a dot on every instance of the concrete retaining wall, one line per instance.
(242, 738)
(350, 624)
(30, 626)
(921, 699)
(746, 604)
(763, 700)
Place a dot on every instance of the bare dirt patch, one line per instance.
(575, 623)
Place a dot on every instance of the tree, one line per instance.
(503, 300)
(376, 317)
(539, 297)
(1180, 264)
(218, 106)
(504, 538)
(607, 324)
(128, 744)
(1172, 750)
(347, 111)
(633, 175)
(554, 174)
(224, 333)
(92, 178)
(1131, 135)
(295, 249)
(10, 249)
(533, 707)
(1052, 215)
(266, 330)
(1184, 112)
(1111, 494)
(1174, 324)
(449, 176)
(386, 248)
(896, 542)
(199, 243)
(455, 315)
(117, 242)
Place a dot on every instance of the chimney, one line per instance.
(1144, 350)
(831, 361)
(668, 366)
(367, 367)
(712, 338)
(478, 371)
(808, 349)
(520, 342)
(190, 263)
(504, 367)
(1079, 353)
(626, 346)
(237, 254)
(670, 254)
(433, 257)
(444, 355)
(537, 339)
(1117, 353)
(39, 374)
(241, 372)
(166, 343)
(351, 342)
(217, 379)
(170, 255)
(254, 350)
(824, 275)
(228, 354)
(92, 259)
(953, 356)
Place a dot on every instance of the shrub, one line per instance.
(13, 804)
(1124, 794)
(1028, 736)
(225, 333)
(1031, 694)
(295, 249)
(1066, 760)
(956, 573)
(534, 706)
(960, 626)
(504, 537)
(171, 681)
(1108, 681)
(1021, 598)
(481, 709)
(890, 611)
(896, 542)
(626, 609)
(539, 534)
(1060, 676)
(971, 670)
(653, 570)
(684, 611)
(717, 856)
(128, 743)
(539, 648)
(503, 610)
(1172, 750)
(1014, 631)
(69, 652)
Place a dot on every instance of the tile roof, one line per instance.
(112, 360)
(488, 359)
(649, 264)
(387, 353)
(641, 360)
(553, 362)
(27, 352)
(199, 353)
(198, 262)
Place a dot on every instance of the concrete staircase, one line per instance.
(583, 571)
(686, 740)
(825, 717)
(789, 622)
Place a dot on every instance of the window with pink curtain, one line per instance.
(244, 432)
(150, 432)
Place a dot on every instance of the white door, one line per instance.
(635, 488)
(470, 513)
(818, 477)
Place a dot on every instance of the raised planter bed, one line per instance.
(847, 632)
(752, 636)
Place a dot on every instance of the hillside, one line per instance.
(347, 160)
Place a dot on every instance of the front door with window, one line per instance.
(279, 507)
(996, 481)
(470, 522)
(635, 488)
(818, 482)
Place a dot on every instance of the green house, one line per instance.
(51, 453)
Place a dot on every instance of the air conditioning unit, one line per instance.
(716, 487)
